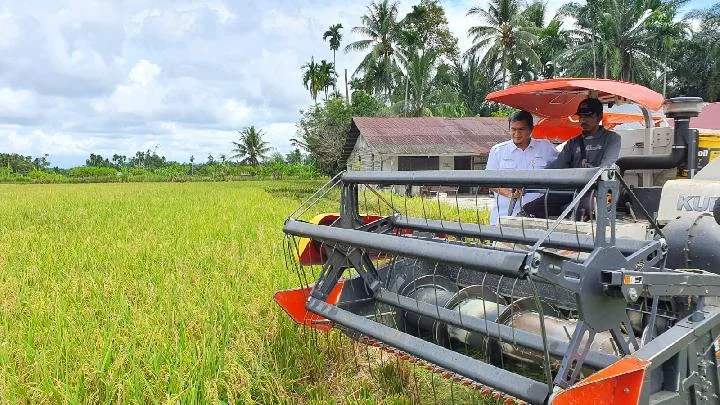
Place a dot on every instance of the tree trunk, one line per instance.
(592, 37)
(665, 69)
(504, 68)
(335, 69)
(407, 86)
(347, 95)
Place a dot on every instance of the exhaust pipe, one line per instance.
(680, 109)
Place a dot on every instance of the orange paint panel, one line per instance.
(293, 303)
(561, 129)
(619, 383)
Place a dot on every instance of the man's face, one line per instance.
(590, 122)
(520, 133)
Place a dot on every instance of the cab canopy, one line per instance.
(559, 98)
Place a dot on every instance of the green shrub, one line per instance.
(92, 171)
(39, 176)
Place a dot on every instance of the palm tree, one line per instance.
(312, 78)
(382, 30)
(553, 40)
(378, 77)
(617, 35)
(335, 37)
(327, 76)
(420, 69)
(475, 81)
(508, 36)
(666, 33)
(584, 34)
(251, 148)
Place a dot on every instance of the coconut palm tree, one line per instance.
(381, 30)
(508, 36)
(251, 148)
(312, 78)
(335, 37)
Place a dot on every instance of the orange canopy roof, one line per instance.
(562, 129)
(557, 98)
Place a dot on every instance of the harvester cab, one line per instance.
(621, 308)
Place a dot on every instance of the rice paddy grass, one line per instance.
(162, 292)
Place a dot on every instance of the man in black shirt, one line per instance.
(594, 147)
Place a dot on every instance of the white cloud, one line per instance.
(144, 72)
(140, 94)
(280, 23)
(234, 112)
(10, 31)
(17, 101)
(96, 76)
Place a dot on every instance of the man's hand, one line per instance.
(507, 192)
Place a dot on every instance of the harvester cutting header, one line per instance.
(618, 308)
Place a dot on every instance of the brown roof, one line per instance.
(709, 118)
(428, 135)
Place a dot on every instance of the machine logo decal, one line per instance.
(698, 203)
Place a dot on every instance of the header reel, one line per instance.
(531, 310)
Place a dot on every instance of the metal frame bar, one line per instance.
(551, 178)
(560, 240)
(492, 261)
(664, 283)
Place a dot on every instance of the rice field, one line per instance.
(162, 292)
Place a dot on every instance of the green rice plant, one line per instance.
(162, 292)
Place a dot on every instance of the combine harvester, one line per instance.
(619, 309)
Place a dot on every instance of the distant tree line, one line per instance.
(250, 157)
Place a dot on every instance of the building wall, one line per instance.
(363, 157)
(447, 162)
(388, 163)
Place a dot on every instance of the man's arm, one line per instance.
(612, 149)
(564, 158)
(493, 163)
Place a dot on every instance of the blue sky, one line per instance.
(90, 76)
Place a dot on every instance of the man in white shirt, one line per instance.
(521, 152)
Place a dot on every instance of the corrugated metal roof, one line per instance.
(428, 135)
(709, 118)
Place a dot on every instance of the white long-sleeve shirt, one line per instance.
(507, 156)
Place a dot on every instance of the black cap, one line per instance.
(589, 106)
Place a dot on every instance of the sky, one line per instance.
(179, 77)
